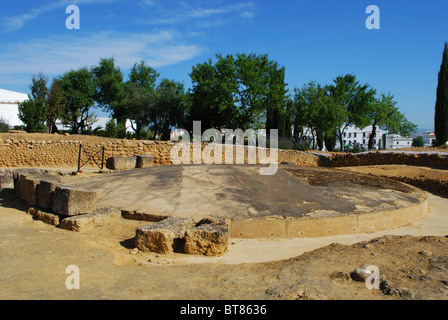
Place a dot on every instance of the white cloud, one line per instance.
(18, 22)
(54, 56)
(187, 14)
(247, 14)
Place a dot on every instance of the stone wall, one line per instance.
(45, 150)
(437, 186)
(384, 158)
(62, 151)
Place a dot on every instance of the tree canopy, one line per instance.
(33, 112)
(79, 92)
(236, 91)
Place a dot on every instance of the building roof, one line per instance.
(7, 96)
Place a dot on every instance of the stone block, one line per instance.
(163, 237)
(70, 201)
(29, 186)
(46, 217)
(141, 216)
(28, 189)
(16, 178)
(215, 220)
(81, 223)
(145, 161)
(20, 175)
(6, 178)
(121, 163)
(207, 239)
(45, 193)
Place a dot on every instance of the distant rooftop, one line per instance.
(7, 96)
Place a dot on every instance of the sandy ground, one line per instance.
(401, 170)
(412, 260)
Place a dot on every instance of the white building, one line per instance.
(395, 141)
(9, 106)
(353, 136)
(428, 137)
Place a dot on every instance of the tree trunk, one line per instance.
(372, 136)
(341, 141)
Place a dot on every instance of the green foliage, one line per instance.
(138, 102)
(384, 113)
(302, 146)
(441, 108)
(79, 93)
(418, 142)
(317, 110)
(121, 130)
(110, 129)
(356, 149)
(55, 104)
(19, 127)
(354, 99)
(109, 87)
(144, 76)
(330, 141)
(33, 112)
(169, 108)
(285, 143)
(159, 109)
(4, 126)
(237, 91)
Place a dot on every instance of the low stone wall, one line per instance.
(45, 150)
(329, 226)
(45, 191)
(62, 151)
(437, 186)
(382, 158)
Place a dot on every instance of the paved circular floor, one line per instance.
(240, 192)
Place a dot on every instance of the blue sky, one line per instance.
(314, 39)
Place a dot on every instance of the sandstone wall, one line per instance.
(62, 151)
(382, 158)
(32, 150)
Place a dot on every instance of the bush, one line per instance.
(121, 131)
(418, 142)
(330, 142)
(4, 127)
(303, 146)
(19, 127)
(285, 144)
(111, 129)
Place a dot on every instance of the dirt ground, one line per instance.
(413, 261)
(401, 170)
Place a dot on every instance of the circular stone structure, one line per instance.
(295, 202)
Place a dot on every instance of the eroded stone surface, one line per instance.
(82, 222)
(207, 239)
(46, 217)
(164, 236)
(45, 193)
(70, 201)
(121, 163)
(145, 161)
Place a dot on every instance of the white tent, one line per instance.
(9, 101)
